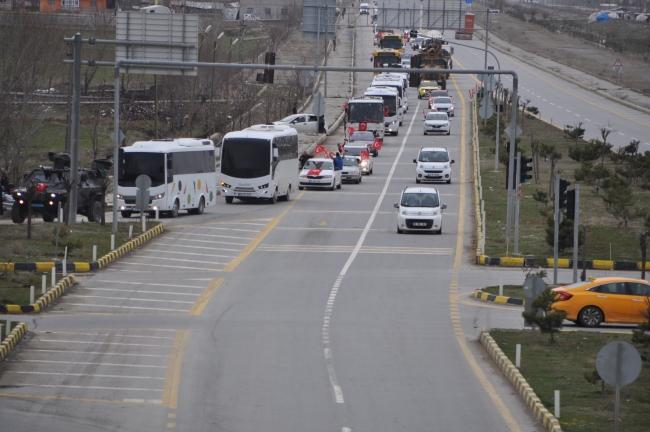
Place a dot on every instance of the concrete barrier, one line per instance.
(10, 342)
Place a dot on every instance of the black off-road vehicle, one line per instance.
(49, 189)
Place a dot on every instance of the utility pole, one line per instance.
(576, 232)
(518, 186)
(556, 229)
(496, 148)
(74, 135)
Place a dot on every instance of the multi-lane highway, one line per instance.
(311, 315)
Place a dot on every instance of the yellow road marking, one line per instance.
(204, 298)
(250, 247)
(63, 398)
(171, 425)
(174, 368)
(323, 223)
(171, 415)
(458, 332)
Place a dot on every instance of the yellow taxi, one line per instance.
(609, 300)
(427, 87)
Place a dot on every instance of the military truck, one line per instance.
(46, 186)
(431, 64)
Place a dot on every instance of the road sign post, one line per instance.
(143, 183)
(618, 68)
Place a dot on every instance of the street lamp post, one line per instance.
(191, 116)
(232, 44)
(214, 52)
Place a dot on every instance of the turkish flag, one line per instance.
(386, 111)
(350, 130)
(364, 155)
(319, 149)
(326, 154)
(376, 144)
(363, 126)
(313, 172)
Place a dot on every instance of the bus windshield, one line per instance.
(366, 112)
(393, 43)
(135, 164)
(386, 58)
(391, 103)
(246, 157)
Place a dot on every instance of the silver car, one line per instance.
(443, 104)
(351, 170)
(366, 165)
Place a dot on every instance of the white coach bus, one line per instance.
(392, 107)
(259, 162)
(182, 172)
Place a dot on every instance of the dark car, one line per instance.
(48, 189)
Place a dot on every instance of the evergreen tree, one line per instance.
(550, 321)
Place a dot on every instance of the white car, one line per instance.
(351, 170)
(366, 165)
(433, 164)
(250, 17)
(303, 123)
(443, 104)
(360, 139)
(419, 209)
(320, 173)
(437, 122)
(406, 64)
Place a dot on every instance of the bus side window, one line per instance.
(170, 173)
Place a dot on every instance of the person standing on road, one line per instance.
(294, 110)
(304, 157)
(338, 161)
(321, 125)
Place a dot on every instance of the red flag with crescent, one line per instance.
(376, 144)
(319, 149)
(363, 126)
(350, 130)
(326, 154)
(386, 111)
(364, 155)
(313, 172)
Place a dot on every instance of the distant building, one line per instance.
(269, 9)
(12, 4)
(56, 5)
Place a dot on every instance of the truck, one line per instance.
(44, 189)
(430, 65)
(466, 32)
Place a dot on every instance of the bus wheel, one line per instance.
(274, 198)
(174, 211)
(126, 214)
(199, 209)
(287, 197)
(229, 200)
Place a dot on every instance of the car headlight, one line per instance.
(159, 196)
(446, 124)
(19, 194)
(421, 166)
(53, 195)
(451, 108)
(446, 166)
(435, 212)
(404, 212)
(303, 175)
(226, 185)
(364, 162)
(264, 186)
(327, 176)
(393, 122)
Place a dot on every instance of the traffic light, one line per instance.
(269, 59)
(563, 195)
(571, 204)
(524, 168)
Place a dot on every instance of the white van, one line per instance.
(364, 9)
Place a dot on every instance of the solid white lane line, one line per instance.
(205, 241)
(164, 265)
(141, 255)
(90, 387)
(184, 234)
(127, 307)
(91, 376)
(137, 292)
(198, 247)
(97, 364)
(129, 299)
(102, 343)
(112, 335)
(94, 352)
(149, 283)
(234, 229)
(190, 253)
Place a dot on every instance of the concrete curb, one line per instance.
(80, 267)
(561, 263)
(46, 299)
(12, 340)
(492, 298)
(519, 382)
(569, 79)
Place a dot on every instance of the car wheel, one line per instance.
(18, 215)
(375, 153)
(448, 132)
(47, 217)
(370, 172)
(95, 212)
(333, 184)
(174, 211)
(274, 198)
(440, 230)
(229, 200)
(126, 214)
(287, 197)
(199, 209)
(301, 188)
(395, 133)
(399, 231)
(417, 181)
(425, 134)
(449, 181)
(591, 316)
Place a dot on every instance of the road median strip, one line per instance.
(561, 263)
(519, 382)
(493, 298)
(12, 340)
(65, 283)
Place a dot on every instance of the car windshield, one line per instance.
(436, 116)
(442, 100)
(434, 156)
(362, 136)
(420, 199)
(350, 161)
(288, 119)
(319, 165)
(353, 151)
(428, 84)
